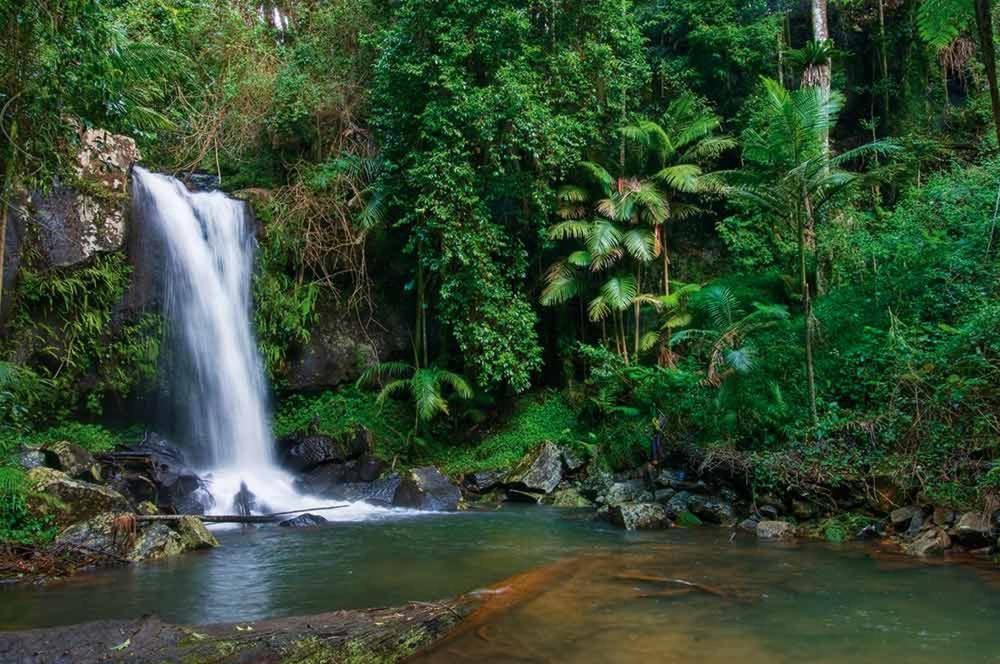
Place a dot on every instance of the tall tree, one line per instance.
(791, 176)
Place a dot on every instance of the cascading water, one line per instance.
(216, 379)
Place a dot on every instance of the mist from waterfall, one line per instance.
(217, 390)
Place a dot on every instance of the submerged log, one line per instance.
(233, 518)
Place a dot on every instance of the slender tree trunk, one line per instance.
(885, 62)
(984, 23)
(637, 310)
(821, 34)
(807, 311)
(781, 53)
(6, 196)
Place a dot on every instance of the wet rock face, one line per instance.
(78, 222)
(427, 489)
(540, 471)
(640, 516)
(75, 500)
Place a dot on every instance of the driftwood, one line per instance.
(688, 585)
(233, 518)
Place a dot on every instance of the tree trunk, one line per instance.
(984, 23)
(821, 34)
(807, 311)
(885, 62)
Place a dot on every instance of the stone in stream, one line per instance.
(678, 503)
(749, 525)
(639, 516)
(380, 492)
(973, 530)
(68, 501)
(775, 530)
(712, 509)
(304, 521)
(933, 541)
(539, 471)
(427, 489)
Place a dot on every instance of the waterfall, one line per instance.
(216, 381)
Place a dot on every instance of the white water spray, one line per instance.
(217, 378)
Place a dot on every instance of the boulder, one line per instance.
(769, 512)
(151, 541)
(676, 479)
(76, 222)
(596, 483)
(775, 530)
(712, 509)
(310, 452)
(630, 491)
(570, 497)
(639, 516)
(572, 462)
(73, 460)
(749, 525)
(194, 535)
(973, 530)
(28, 457)
(678, 503)
(69, 501)
(484, 480)
(380, 492)
(427, 489)
(304, 521)
(902, 516)
(539, 471)
(943, 517)
(178, 487)
(931, 542)
(663, 496)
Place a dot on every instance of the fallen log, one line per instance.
(233, 518)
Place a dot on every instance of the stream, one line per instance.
(598, 594)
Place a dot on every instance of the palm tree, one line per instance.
(731, 350)
(673, 153)
(793, 177)
(425, 387)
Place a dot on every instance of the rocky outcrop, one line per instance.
(80, 220)
(156, 470)
(628, 491)
(640, 516)
(427, 489)
(540, 471)
(67, 501)
(569, 497)
(152, 541)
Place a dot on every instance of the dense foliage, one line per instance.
(598, 218)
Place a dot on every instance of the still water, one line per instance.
(593, 593)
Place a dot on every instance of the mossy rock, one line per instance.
(68, 501)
